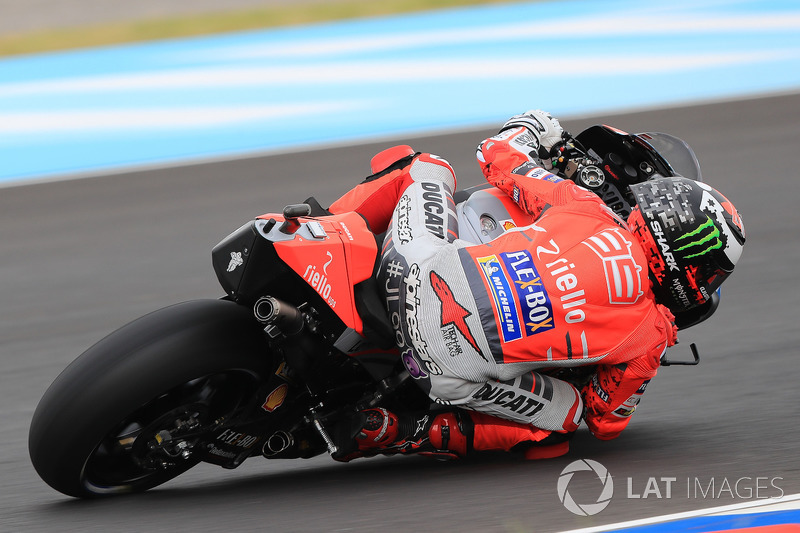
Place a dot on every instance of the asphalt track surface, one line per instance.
(81, 258)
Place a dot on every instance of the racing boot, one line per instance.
(381, 432)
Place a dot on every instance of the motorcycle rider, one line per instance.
(476, 322)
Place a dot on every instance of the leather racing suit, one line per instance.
(475, 324)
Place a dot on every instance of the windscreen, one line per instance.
(678, 154)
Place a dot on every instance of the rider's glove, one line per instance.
(546, 130)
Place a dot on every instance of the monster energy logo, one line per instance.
(706, 238)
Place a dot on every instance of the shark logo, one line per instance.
(452, 312)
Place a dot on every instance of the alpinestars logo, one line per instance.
(452, 312)
(705, 238)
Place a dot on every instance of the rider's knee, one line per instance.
(428, 167)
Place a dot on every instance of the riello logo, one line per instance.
(318, 280)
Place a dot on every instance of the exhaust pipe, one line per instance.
(279, 441)
(273, 312)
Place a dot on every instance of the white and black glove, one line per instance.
(546, 131)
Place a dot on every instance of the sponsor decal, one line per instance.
(346, 231)
(507, 224)
(403, 228)
(526, 139)
(319, 281)
(535, 171)
(598, 389)
(412, 284)
(500, 288)
(566, 282)
(222, 453)
(236, 261)
(513, 400)
(450, 337)
(453, 313)
(702, 240)
(420, 429)
(275, 398)
(610, 172)
(658, 233)
(411, 364)
(537, 311)
(283, 371)
(628, 407)
(622, 273)
(433, 208)
(240, 440)
(679, 291)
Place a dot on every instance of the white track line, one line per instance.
(788, 502)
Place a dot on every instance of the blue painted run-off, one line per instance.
(248, 92)
(727, 523)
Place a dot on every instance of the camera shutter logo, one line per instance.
(585, 509)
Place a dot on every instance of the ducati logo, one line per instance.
(236, 261)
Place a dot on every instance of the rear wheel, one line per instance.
(127, 414)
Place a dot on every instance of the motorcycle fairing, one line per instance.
(332, 264)
(487, 214)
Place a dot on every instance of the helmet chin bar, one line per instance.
(694, 316)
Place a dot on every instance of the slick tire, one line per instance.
(129, 376)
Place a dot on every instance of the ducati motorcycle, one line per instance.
(300, 341)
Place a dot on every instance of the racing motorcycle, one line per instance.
(300, 340)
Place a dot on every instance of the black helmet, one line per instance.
(692, 236)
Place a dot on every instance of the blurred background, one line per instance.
(173, 92)
(192, 117)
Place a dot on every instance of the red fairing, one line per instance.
(334, 265)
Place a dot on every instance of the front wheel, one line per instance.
(125, 415)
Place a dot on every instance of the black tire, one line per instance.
(195, 359)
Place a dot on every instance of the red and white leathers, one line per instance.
(595, 275)
(474, 323)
